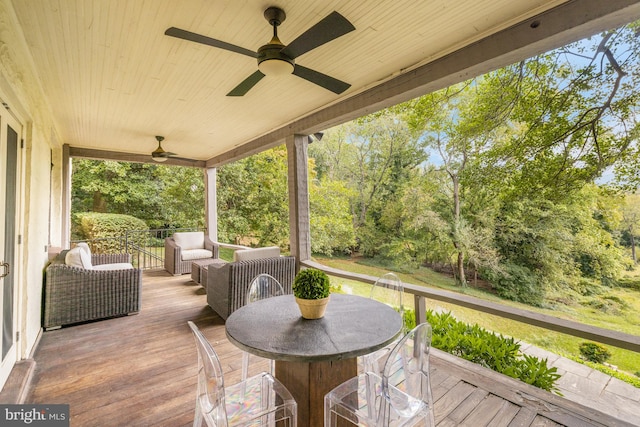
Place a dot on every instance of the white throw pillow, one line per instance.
(85, 247)
(189, 240)
(78, 257)
(259, 253)
(73, 258)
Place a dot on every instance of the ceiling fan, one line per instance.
(275, 58)
(159, 155)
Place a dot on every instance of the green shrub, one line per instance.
(594, 352)
(105, 229)
(622, 376)
(493, 351)
(409, 319)
(311, 283)
(516, 283)
(630, 283)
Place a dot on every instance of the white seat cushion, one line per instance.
(191, 254)
(258, 253)
(78, 257)
(189, 240)
(114, 266)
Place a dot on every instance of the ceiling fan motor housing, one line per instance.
(273, 51)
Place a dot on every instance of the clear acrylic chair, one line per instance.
(400, 396)
(263, 286)
(388, 289)
(260, 400)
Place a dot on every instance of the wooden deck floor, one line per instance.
(141, 371)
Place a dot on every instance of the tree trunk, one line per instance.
(633, 249)
(456, 221)
(460, 268)
(99, 203)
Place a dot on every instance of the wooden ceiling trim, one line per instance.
(89, 153)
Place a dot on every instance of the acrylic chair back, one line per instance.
(389, 289)
(407, 370)
(264, 286)
(210, 402)
(261, 287)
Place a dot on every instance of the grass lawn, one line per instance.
(613, 308)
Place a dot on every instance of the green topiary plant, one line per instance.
(311, 283)
(594, 352)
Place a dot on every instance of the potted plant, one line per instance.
(311, 290)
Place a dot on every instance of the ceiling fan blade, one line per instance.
(162, 153)
(334, 85)
(199, 38)
(329, 28)
(246, 84)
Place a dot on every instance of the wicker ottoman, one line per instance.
(199, 266)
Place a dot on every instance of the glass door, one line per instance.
(9, 140)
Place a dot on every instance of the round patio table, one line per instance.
(313, 356)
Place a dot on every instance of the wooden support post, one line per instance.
(66, 198)
(299, 229)
(211, 203)
(420, 303)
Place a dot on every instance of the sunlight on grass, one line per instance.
(616, 309)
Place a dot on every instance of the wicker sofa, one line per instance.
(181, 249)
(72, 293)
(227, 284)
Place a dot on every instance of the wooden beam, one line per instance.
(563, 24)
(89, 153)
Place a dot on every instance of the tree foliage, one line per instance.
(161, 196)
(253, 205)
(499, 170)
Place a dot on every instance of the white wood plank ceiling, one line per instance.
(115, 80)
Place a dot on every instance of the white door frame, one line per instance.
(7, 119)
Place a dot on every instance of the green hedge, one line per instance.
(95, 226)
(493, 351)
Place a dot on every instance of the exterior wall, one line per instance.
(39, 192)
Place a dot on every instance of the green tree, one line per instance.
(577, 110)
(376, 156)
(253, 200)
(182, 196)
(160, 195)
(560, 243)
(331, 221)
(460, 125)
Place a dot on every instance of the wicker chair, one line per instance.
(74, 294)
(177, 260)
(227, 284)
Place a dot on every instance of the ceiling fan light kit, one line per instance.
(159, 155)
(273, 66)
(275, 58)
